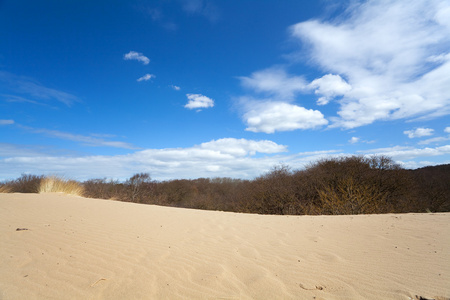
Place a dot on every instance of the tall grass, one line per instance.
(53, 184)
(5, 189)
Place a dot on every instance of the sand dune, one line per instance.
(77, 248)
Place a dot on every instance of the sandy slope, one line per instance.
(77, 248)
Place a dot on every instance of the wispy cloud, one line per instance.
(419, 132)
(157, 15)
(6, 122)
(434, 140)
(393, 54)
(205, 8)
(198, 101)
(146, 77)
(18, 99)
(275, 81)
(87, 140)
(33, 89)
(175, 87)
(408, 153)
(133, 55)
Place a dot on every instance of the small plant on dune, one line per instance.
(55, 184)
(5, 189)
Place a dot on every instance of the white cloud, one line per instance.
(197, 101)
(329, 86)
(242, 147)
(275, 81)
(434, 140)
(271, 116)
(176, 88)
(419, 132)
(394, 55)
(447, 129)
(6, 122)
(133, 55)
(227, 157)
(405, 153)
(146, 77)
(354, 140)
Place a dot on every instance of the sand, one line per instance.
(77, 248)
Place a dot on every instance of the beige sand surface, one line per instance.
(77, 248)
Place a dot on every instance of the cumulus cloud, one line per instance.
(272, 116)
(6, 122)
(198, 101)
(133, 55)
(146, 77)
(329, 86)
(275, 81)
(419, 132)
(394, 55)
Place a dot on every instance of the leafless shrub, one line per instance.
(139, 186)
(26, 183)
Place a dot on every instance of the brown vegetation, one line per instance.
(345, 185)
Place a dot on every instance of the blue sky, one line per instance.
(204, 88)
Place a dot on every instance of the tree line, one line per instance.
(331, 186)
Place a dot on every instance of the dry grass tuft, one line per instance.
(5, 189)
(55, 184)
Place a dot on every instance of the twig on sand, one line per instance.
(97, 281)
(317, 287)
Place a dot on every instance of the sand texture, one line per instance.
(76, 248)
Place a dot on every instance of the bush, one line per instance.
(360, 185)
(103, 189)
(24, 184)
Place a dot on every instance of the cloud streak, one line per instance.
(6, 122)
(87, 140)
(133, 55)
(33, 89)
(146, 77)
